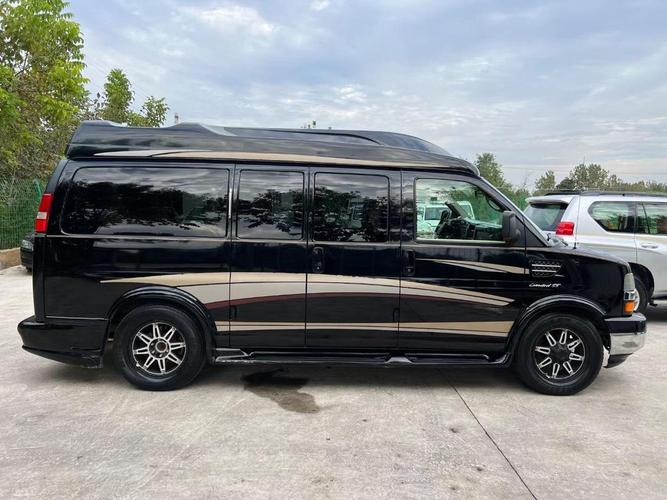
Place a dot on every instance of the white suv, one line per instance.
(632, 226)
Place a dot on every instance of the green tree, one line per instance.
(118, 96)
(153, 113)
(566, 184)
(491, 170)
(546, 182)
(42, 88)
(116, 104)
(591, 176)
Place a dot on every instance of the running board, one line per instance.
(238, 356)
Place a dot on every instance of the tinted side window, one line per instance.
(270, 205)
(614, 216)
(653, 219)
(351, 207)
(147, 201)
(456, 210)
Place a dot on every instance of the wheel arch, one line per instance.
(565, 304)
(643, 273)
(159, 295)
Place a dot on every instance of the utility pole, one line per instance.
(176, 118)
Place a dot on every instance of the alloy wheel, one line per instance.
(158, 348)
(559, 354)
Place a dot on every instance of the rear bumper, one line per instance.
(26, 258)
(626, 335)
(78, 342)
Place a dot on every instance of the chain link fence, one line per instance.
(19, 200)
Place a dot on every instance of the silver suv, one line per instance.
(632, 226)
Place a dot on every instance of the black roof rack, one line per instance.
(104, 138)
(604, 193)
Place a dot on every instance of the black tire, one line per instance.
(192, 354)
(643, 295)
(527, 359)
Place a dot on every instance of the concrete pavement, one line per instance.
(304, 432)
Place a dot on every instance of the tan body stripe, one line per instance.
(484, 328)
(216, 287)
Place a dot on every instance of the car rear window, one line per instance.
(546, 215)
(188, 202)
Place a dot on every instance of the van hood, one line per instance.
(595, 254)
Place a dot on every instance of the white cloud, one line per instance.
(233, 19)
(319, 5)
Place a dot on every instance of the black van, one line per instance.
(190, 245)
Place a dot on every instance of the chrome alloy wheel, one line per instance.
(158, 348)
(559, 354)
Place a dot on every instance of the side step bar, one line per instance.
(238, 356)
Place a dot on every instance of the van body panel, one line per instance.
(268, 264)
(457, 296)
(353, 265)
(103, 267)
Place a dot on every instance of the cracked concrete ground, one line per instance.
(304, 432)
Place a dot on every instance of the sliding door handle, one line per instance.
(648, 245)
(408, 262)
(317, 260)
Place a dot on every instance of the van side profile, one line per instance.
(190, 245)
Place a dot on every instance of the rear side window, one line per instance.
(653, 218)
(270, 205)
(351, 207)
(546, 215)
(614, 216)
(189, 202)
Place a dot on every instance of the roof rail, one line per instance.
(98, 137)
(563, 191)
(605, 193)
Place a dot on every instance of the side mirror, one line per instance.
(510, 231)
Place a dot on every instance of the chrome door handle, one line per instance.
(649, 245)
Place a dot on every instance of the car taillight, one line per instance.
(42, 219)
(565, 228)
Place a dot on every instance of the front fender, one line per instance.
(558, 303)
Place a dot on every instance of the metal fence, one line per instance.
(19, 200)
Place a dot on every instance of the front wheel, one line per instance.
(643, 293)
(559, 354)
(158, 348)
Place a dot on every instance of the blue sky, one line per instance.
(542, 85)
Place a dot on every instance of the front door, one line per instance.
(353, 259)
(461, 287)
(267, 290)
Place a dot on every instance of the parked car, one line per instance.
(632, 226)
(191, 245)
(27, 244)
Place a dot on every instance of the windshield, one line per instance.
(526, 220)
(546, 215)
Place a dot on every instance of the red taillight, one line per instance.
(565, 228)
(42, 219)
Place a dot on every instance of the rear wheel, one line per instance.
(559, 354)
(158, 348)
